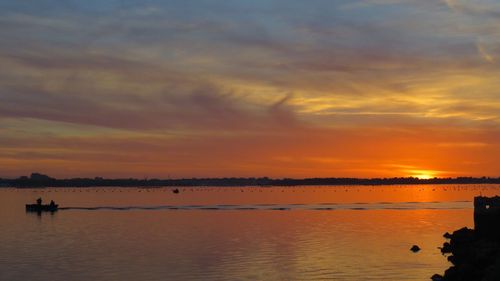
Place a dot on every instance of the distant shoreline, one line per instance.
(40, 180)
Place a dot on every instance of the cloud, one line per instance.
(483, 53)
(219, 79)
(114, 92)
(452, 4)
(463, 144)
(480, 8)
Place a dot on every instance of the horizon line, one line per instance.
(40, 175)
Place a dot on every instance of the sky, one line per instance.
(278, 88)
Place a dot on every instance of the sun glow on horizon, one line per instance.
(423, 177)
(423, 174)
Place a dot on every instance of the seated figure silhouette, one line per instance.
(52, 203)
(39, 201)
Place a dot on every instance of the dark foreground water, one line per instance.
(294, 233)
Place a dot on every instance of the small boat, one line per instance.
(41, 208)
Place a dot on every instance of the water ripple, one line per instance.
(453, 205)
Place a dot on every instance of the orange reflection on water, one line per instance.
(89, 197)
(231, 244)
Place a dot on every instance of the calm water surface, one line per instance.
(232, 233)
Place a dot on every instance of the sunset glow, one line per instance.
(250, 88)
(249, 140)
(423, 176)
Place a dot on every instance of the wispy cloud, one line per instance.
(311, 80)
(484, 53)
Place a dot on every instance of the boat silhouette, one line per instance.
(39, 207)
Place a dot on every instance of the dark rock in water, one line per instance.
(175, 191)
(463, 235)
(437, 277)
(415, 248)
(446, 249)
(492, 273)
(475, 253)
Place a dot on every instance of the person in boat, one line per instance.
(52, 204)
(39, 201)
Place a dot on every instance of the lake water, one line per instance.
(233, 233)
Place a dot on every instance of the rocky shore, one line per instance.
(475, 253)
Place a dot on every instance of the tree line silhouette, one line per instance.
(40, 180)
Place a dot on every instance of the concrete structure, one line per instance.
(487, 216)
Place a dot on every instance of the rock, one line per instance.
(415, 248)
(475, 253)
(463, 235)
(474, 257)
(451, 273)
(492, 273)
(446, 249)
(436, 277)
